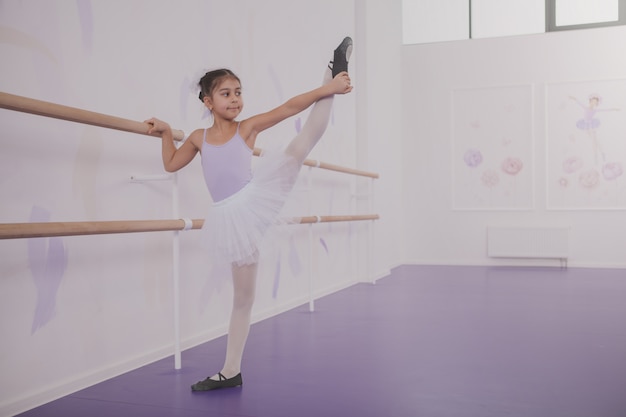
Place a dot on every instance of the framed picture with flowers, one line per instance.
(492, 148)
(586, 145)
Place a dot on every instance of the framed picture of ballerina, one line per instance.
(586, 145)
(492, 141)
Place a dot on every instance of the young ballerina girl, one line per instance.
(246, 203)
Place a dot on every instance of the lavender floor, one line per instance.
(426, 341)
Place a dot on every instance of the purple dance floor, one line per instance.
(432, 341)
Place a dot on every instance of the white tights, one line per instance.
(314, 127)
(244, 288)
(244, 277)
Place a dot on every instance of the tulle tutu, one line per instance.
(235, 227)
(588, 124)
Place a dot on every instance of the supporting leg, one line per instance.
(244, 282)
(244, 285)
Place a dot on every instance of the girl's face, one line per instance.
(226, 100)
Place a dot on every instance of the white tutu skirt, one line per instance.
(235, 227)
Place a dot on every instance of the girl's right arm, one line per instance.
(173, 158)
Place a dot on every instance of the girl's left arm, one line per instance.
(256, 124)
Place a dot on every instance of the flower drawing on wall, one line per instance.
(512, 166)
(490, 178)
(586, 145)
(589, 179)
(572, 164)
(612, 170)
(473, 158)
(492, 140)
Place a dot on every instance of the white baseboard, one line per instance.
(379, 275)
(512, 262)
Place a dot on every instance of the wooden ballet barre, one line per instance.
(337, 168)
(73, 114)
(327, 219)
(55, 229)
(331, 167)
(52, 229)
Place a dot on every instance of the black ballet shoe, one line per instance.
(211, 384)
(340, 58)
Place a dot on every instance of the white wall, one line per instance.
(75, 310)
(379, 125)
(437, 234)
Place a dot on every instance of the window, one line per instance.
(491, 18)
(581, 14)
(425, 21)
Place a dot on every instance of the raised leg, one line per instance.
(316, 123)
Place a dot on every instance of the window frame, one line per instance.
(550, 21)
(551, 18)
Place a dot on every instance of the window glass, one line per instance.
(425, 21)
(580, 12)
(491, 18)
